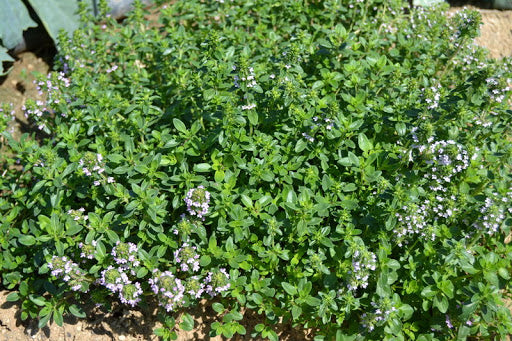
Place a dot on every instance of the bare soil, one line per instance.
(124, 324)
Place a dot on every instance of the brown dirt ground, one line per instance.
(130, 325)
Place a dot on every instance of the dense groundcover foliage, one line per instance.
(338, 165)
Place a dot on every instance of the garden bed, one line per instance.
(125, 324)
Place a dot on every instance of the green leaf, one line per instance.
(77, 311)
(317, 85)
(240, 329)
(218, 307)
(252, 115)
(40, 301)
(57, 15)
(23, 288)
(246, 201)
(202, 167)
(187, 322)
(14, 19)
(180, 126)
(57, 317)
(27, 240)
(12, 297)
(504, 273)
(313, 301)
(209, 94)
(344, 337)
(349, 187)
(43, 321)
(400, 128)
(142, 272)
(447, 288)
(219, 176)
(290, 289)
(300, 145)
(205, 260)
(364, 143)
(441, 303)
(4, 57)
(296, 312)
(257, 298)
(162, 332)
(406, 311)
(428, 292)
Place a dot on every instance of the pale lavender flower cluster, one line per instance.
(92, 163)
(432, 96)
(378, 317)
(363, 263)
(87, 250)
(444, 160)
(69, 272)
(217, 282)
(112, 69)
(496, 93)
(464, 21)
(117, 281)
(125, 254)
(52, 86)
(114, 278)
(194, 287)
(36, 111)
(415, 218)
(447, 159)
(469, 59)
(5, 118)
(197, 200)
(248, 78)
(249, 106)
(308, 137)
(169, 290)
(78, 215)
(412, 221)
(131, 294)
(319, 122)
(494, 213)
(448, 321)
(187, 257)
(186, 225)
(49, 86)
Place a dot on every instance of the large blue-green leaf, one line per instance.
(14, 19)
(4, 57)
(56, 15)
(426, 2)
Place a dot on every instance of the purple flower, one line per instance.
(187, 257)
(125, 253)
(169, 290)
(194, 286)
(217, 282)
(363, 263)
(92, 163)
(87, 250)
(69, 272)
(197, 200)
(114, 279)
(448, 322)
(130, 294)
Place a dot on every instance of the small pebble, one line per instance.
(122, 337)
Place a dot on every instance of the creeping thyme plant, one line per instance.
(342, 166)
